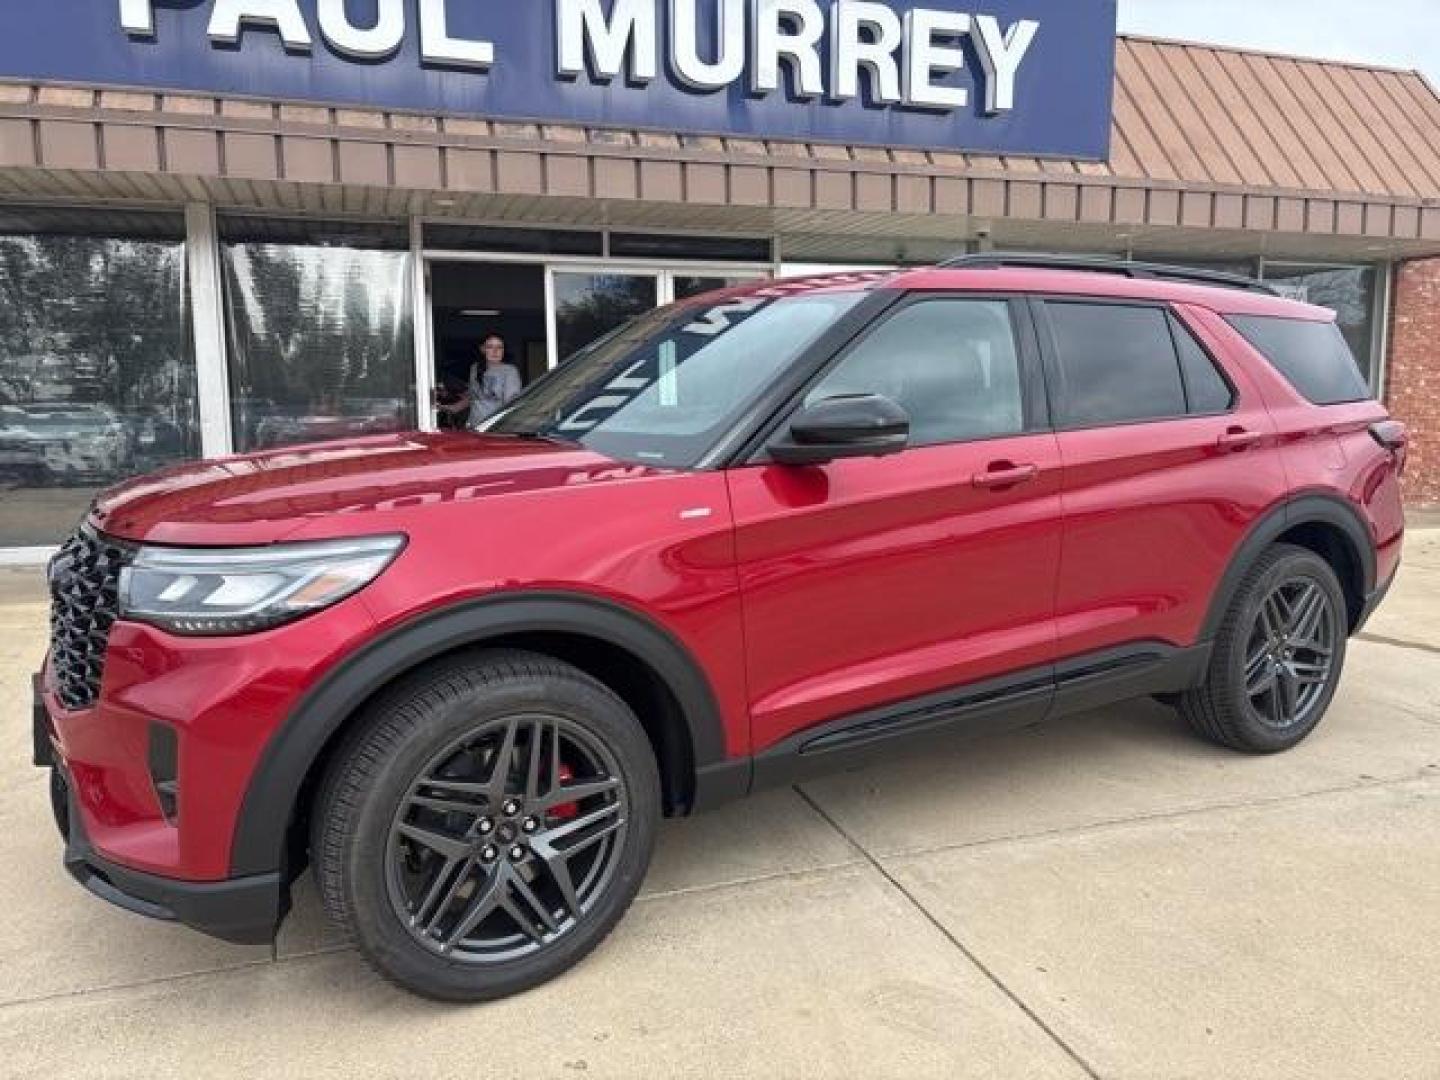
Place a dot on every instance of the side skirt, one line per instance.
(986, 708)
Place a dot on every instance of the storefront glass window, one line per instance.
(1349, 291)
(589, 306)
(687, 286)
(97, 374)
(320, 343)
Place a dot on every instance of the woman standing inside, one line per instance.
(494, 383)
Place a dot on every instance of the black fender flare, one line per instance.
(1304, 510)
(261, 831)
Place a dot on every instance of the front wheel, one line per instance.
(488, 825)
(1277, 658)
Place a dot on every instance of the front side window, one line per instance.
(664, 387)
(952, 365)
(1117, 364)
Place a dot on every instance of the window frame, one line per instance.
(1034, 399)
(1055, 373)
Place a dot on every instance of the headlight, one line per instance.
(215, 591)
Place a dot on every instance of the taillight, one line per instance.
(1394, 437)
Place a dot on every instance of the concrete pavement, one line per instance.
(1102, 896)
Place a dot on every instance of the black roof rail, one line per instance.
(1105, 264)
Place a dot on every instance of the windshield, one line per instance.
(661, 389)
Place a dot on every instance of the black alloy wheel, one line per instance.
(486, 824)
(1277, 657)
(506, 838)
(1291, 652)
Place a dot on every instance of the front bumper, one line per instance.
(246, 910)
(243, 910)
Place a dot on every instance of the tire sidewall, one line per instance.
(375, 924)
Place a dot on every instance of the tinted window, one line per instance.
(1205, 388)
(951, 364)
(1117, 364)
(1349, 291)
(1314, 356)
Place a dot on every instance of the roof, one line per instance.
(1212, 114)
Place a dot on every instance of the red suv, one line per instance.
(746, 537)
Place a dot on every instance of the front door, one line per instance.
(871, 582)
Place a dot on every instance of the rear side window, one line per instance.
(1313, 356)
(1117, 364)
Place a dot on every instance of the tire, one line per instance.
(1254, 650)
(403, 854)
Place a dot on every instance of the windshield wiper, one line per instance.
(536, 435)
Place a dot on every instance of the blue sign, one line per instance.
(1031, 77)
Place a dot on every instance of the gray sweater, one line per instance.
(492, 390)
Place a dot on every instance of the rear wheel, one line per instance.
(1278, 656)
(488, 826)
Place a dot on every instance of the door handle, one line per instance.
(1237, 439)
(1002, 474)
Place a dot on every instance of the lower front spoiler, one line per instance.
(243, 910)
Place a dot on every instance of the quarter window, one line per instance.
(1313, 356)
(952, 365)
(1206, 390)
(1117, 364)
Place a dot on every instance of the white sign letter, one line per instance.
(137, 17)
(926, 30)
(381, 40)
(438, 47)
(729, 63)
(582, 30)
(850, 51)
(1000, 56)
(771, 40)
(229, 18)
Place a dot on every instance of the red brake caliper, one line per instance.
(565, 811)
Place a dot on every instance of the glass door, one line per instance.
(587, 304)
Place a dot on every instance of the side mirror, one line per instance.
(857, 425)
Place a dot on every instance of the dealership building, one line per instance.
(230, 225)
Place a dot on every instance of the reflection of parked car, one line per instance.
(64, 442)
(21, 459)
(352, 417)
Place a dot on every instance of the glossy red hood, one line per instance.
(261, 498)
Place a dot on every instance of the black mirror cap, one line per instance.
(856, 425)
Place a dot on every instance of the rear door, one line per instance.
(1168, 457)
(872, 582)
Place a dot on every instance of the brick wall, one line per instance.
(1413, 386)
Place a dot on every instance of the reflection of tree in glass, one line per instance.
(95, 348)
(320, 342)
(589, 306)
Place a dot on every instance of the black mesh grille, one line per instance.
(84, 602)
